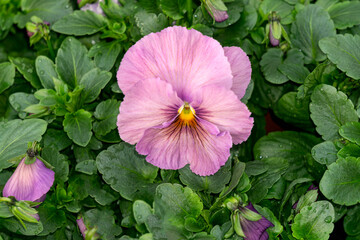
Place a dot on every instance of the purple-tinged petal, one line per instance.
(93, 7)
(184, 58)
(241, 69)
(174, 144)
(36, 216)
(223, 108)
(255, 230)
(82, 227)
(273, 41)
(29, 182)
(149, 103)
(218, 15)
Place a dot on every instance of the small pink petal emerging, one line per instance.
(173, 145)
(149, 103)
(82, 227)
(29, 182)
(241, 69)
(184, 58)
(223, 108)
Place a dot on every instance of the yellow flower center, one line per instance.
(186, 113)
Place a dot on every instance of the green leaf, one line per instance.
(13, 225)
(105, 54)
(326, 4)
(314, 222)
(127, 172)
(296, 73)
(270, 62)
(351, 132)
(173, 8)
(5, 211)
(47, 10)
(15, 135)
(172, 205)
(293, 110)
(104, 221)
(323, 73)
(261, 185)
(142, 211)
(350, 150)
(330, 109)
(325, 152)
(27, 68)
(343, 50)
(78, 127)
(45, 69)
(72, 61)
(345, 14)
(80, 23)
(281, 7)
(312, 24)
(351, 221)
(19, 101)
(295, 147)
(93, 82)
(212, 184)
(51, 217)
(341, 181)
(56, 139)
(58, 161)
(107, 112)
(7, 75)
(87, 167)
(150, 22)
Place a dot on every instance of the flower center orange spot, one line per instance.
(186, 113)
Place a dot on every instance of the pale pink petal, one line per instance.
(172, 146)
(151, 102)
(184, 58)
(241, 69)
(223, 108)
(29, 182)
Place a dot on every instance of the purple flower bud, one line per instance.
(217, 9)
(273, 41)
(29, 182)
(254, 230)
(82, 227)
(29, 33)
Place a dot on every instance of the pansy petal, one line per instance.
(241, 69)
(223, 108)
(29, 181)
(172, 146)
(184, 58)
(255, 230)
(150, 103)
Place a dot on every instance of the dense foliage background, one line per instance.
(59, 87)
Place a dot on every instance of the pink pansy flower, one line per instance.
(182, 99)
(29, 182)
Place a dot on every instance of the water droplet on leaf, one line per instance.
(328, 219)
